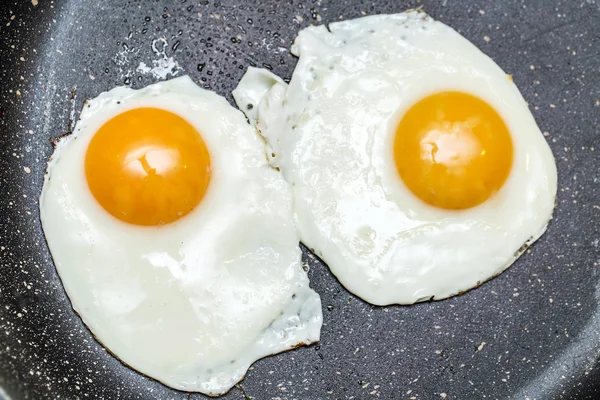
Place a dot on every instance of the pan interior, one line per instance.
(530, 333)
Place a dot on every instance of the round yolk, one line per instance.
(453, 150)
(147, 166)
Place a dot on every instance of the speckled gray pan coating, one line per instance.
(533, 332)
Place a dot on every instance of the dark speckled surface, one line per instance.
(532, 333)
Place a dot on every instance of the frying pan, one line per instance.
(531, 333)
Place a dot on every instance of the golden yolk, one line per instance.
(453, 150)
(147, 166)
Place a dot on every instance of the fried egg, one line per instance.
(174, 238)
(417, 169)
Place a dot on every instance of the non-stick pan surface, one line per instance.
(533, 332)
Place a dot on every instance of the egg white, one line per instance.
(331, 132)
(195, 302)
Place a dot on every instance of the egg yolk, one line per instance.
(147, 166)
(453, 150)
